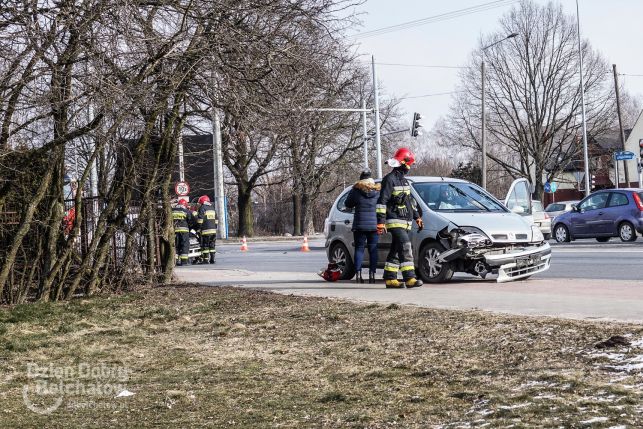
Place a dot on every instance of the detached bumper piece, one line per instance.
(520, 265)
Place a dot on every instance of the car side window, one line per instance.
(595, 202)
(341, 204)
(618, 199)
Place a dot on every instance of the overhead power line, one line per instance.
(428, 95)
(421, 66)
(435, 18)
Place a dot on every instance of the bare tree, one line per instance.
(533, 95)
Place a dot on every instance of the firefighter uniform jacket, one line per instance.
(207, 219)
(395, 206)
(182, 218)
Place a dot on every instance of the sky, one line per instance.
(613, 28)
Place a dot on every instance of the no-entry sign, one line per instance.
(182, 189)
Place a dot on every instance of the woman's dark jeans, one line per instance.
(361, 238)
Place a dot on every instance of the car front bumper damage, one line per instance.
(519, 263)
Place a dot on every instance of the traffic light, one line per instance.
(416, 124)
(641, 149)
(593, 181)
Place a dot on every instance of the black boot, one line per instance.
(212, 261)
(371, 278)
(358, 277)
(179, 263)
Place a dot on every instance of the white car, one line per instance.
(466, 230)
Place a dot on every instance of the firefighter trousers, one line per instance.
(400, 257)
(208, 244)
(182, 242)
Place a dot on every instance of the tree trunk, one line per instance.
(296, 214)
(244, 203)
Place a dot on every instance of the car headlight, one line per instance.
(471, 237)
(536, 234)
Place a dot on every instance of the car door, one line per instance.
(518, 199)
(616, 204)
(342, 221)
(587, 221)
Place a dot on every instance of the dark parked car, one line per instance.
(603, 214)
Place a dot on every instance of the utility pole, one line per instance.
(483, 165)
(181, 164)
(217, 161)
(365, 134)
(378, 145)
(582, 98)
(484, 129)
(620, 126)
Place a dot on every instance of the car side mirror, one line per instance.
(517, 209)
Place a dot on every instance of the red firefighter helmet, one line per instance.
(183, 202)
(332, 273)
(204, 199)
(403, 156)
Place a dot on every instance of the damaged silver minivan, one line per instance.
(466, 230)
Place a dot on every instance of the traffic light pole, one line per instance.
(365, 134)
(378, 145)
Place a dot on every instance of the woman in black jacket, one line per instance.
(363, 197)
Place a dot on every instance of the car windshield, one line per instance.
(555, 207)
(457, 197)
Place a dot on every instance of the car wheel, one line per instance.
(339, 254)
(561, 233)
(431, 270)
(626, 232)
(602, 239)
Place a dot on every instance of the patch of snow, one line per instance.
(536, 384)
(512, 407)
(627, 367)
(617, 427)
(637, 344)
(541, 396)
(594, 420)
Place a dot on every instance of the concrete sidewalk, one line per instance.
(620, 300)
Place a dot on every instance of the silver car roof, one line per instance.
(422, 179)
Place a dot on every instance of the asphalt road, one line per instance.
(581, 259)
(587, 280)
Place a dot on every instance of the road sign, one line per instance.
(550, 188)
(623, 155)
(182, 189)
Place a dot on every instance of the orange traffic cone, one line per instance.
(244, 244)
(304, 246)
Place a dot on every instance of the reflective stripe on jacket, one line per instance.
(207, 219)
(182, 218)
(395, 207)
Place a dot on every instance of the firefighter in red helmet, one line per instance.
(396, 212)
(207, 221)
(182, 217)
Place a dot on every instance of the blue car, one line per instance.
(602, 215)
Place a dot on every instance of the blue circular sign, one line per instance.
(547, 187)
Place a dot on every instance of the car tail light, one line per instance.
(637, 200)
(546, 216)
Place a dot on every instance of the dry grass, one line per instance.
(221, 357)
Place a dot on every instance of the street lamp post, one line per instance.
(484, 119)
(582, 103)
